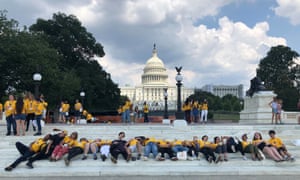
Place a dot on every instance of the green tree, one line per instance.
(79, 50)
(279, 72)
(21, 53)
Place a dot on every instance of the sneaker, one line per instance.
(233, 148)
(8, 134)
(210, 159)
(128, 157)
(67, 162)
(218, 159)
(292, 158)
(113, 160)
(29, 165)
(145, 158)
(190, 158)
(84, 157)
(9, 168)
(245, 158)
(95, 157)
(161, 159)
(174, 158)
(199, 156)
(158, 156)
(139, 157)
(37, 134)
(103, 157)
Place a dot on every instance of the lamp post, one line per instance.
(179, 114)
(166, 116)
(37, 77)
(82, 95)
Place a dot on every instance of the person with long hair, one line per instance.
(30, 104)
(266, 148)
(20, 116)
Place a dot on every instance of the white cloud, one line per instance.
(226, 54)
(289, 9)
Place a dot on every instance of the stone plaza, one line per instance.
(235, 168)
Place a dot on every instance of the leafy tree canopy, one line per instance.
(279, 71)
(64, 53)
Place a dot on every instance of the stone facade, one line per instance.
(153, 82)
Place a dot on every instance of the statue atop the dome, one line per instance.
(256, 85)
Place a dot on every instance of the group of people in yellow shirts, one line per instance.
(55, 147)
(79, 113)
(195, 111)
(131, 114)
(19, 112)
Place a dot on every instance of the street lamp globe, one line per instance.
(179, 77)
(82, 94)
(37, 77)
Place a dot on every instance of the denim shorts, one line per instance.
(20, 117)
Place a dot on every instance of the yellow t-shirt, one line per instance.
(9, 107)
(151, 139)
(37, 145)
(65, 107)
(104, 142)
(133, 142)
(89, 116)
(177, 142)
(277, 142)
(69, 141)
(163, 143)
(45, 105)
(186, 107)
(213, 145)
(1, 107)
(204, 106)
(30, 104)
(146, 109)
(39, 107)
(78, 106)
(245, 144)
(127, 105)
(201, 143)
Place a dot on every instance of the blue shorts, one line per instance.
(20, 117)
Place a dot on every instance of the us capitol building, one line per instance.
(151, 90)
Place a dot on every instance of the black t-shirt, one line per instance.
(118, 144)
(56, 139)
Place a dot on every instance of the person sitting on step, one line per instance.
(266, 148)
(280, 146)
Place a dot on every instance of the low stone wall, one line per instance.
(118, 119)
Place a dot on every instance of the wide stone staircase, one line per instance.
(235, 168)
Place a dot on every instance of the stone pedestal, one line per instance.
(166, 121)
(257, 109)
(180, 124)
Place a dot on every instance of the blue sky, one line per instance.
(216, 41)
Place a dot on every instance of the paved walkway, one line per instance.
(235, 168)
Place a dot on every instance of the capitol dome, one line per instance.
(155, 71)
